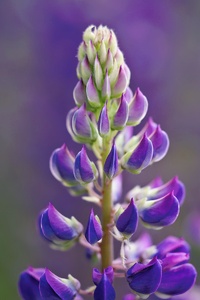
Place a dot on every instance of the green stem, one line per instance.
(107, 218)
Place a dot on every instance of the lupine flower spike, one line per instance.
(104, 121)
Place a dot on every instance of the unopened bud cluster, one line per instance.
(103, 120)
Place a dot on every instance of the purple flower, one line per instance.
(144, 279)
(139, 158)
(160, 212)
(128, 220)
(92, 94)
(83, 128)
(111, 163)
(93, 231)
(84, 170)
(137, 108)
(177, 280)
(121, 115)
(79, 93)
(62, 165)
(29, 283)
(104, 123)
(58, 230)
(160, 141)
(53, 287)
(104, 289)
(121, 83)
(156, 189)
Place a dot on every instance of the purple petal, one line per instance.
(140, 157)
(82, 125)
(161, 212)
(104, 290)
(29, 284)
(79, 93)
(94, 231)
(145, 279)
(128, 94)
(128, 221)
(172, 244)
(62, 287)
(173, 259)
(174, 185)
(121, 115)
(160, 143)
(92, 94)
(178, 280)
(59, 225)
(111, 163)
(156, 182)
(83, 170)
(121, 83)
(97, 275)
(104, 123)
(137, 108)
(149, 128)
(62, 164)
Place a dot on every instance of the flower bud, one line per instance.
(102, 53)
(58, 230)
(85, 70)
(84, 170)
(112, 44)
(54, 287)
(127, 222)
(62, 165)
(29, 283)
(111, 163)
(137, 108)
(104, 123)
(94, 231)
(106, 90)
(160, 212)
(104, 289)
(98, 74)
(79, 93)
(144, 279)
(92, 94)
(121, 115)
(109, 61)
(91, 52)
(82, 51)
(139, 158)
(121, 83)
(160, 141)
(83, 128)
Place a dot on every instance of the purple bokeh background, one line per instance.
(39, 41)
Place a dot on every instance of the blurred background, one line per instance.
(39, 41)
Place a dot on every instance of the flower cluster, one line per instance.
(103, 120)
